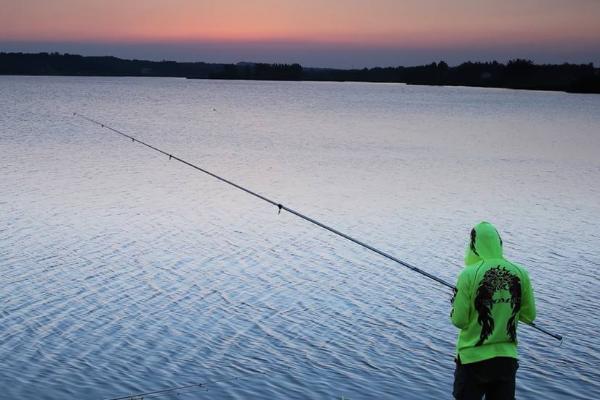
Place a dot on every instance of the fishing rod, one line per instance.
(296, 213)
(160, 392)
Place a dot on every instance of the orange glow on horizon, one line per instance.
(384, 23)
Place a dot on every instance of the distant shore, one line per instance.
(516, 74)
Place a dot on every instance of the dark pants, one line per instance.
(494, 378)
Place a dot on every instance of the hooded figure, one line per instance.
(492, 296)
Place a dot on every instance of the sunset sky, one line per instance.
(344, 33)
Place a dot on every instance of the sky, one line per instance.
(318, 33)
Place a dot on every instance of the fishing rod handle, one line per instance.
(554, 335)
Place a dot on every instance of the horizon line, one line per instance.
(488, 61)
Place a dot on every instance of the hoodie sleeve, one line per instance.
(461, 302)
(528, 312)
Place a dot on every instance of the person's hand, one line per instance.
(455, 291)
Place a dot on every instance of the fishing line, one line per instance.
(160, 392)
(281, 207)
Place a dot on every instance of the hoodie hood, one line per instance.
(485, 244)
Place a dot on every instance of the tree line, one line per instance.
(516, 74)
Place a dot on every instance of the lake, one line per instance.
(124, 272)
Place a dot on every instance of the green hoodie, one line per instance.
(492, 296)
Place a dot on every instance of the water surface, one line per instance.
(122, 271)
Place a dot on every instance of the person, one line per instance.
(492, 295)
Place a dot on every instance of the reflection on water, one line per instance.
(124, 272)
